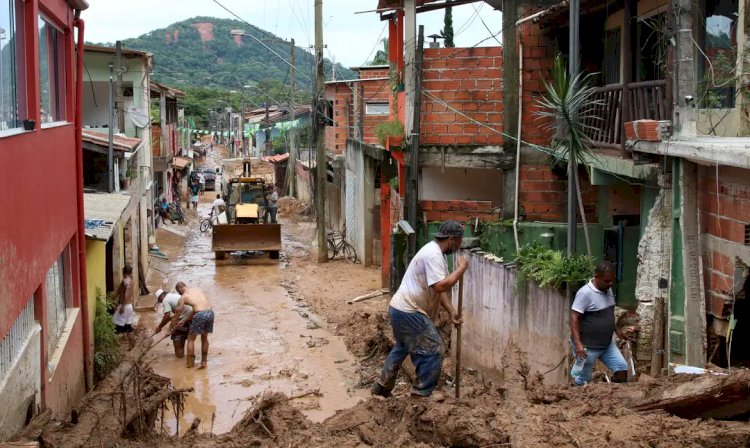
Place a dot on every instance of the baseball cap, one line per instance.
(450, 229)
(159, 292)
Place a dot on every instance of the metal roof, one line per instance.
(277, 158)
(101, 212)
(170, 91)
(181, 162)
(119, 142)
(112, 50)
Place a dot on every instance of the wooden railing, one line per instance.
(648, 100)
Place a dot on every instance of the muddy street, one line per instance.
(263, 339)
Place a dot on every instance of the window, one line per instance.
(377, 109)
(57, 302)
(12, 97)
(51, 72)
(720, 47)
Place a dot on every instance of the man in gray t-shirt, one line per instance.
(592, 323)
(179, 334)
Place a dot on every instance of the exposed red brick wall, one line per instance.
(367, 73)
(468, 80)
(724, 210)
(346, 116)
(461, 211)
(539, 50)
(543, 194)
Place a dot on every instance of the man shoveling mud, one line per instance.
(592, 323)
(201, 321)
(179, 334)
(413, 309)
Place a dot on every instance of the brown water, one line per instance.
(263, 339)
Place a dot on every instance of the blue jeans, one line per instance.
(610, 356)
(272, 212)
(417, 337)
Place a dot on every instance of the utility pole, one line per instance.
(412, 191)
(320, 116)
(120, 102)
(575, 10)
(110, 148)
(292, 171)
(268, 144)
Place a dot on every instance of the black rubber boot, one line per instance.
(380, 390)
(620, 377)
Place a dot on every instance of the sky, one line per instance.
(349, 37)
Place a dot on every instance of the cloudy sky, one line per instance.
(350, 37)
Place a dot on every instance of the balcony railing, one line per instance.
(648, 100)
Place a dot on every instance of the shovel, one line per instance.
(458, 337)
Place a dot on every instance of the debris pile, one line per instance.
(294, 209)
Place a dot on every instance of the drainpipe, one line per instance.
(85, 318)
(518, 137)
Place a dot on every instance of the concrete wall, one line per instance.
(498, 309)
(461, 184)
(21, 387)
(360, 200)
(65, 383)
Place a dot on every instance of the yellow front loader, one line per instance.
(246, 229)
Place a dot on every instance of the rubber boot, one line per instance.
(190, 361)
(380, 390)
(204, 360)
(620, 377)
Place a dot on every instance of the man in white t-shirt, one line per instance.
(218, 206)
(179, 334)
(426, 287)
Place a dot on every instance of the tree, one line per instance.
(381, 57)
(447, 32)
(569, 104)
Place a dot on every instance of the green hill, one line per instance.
(201, 52)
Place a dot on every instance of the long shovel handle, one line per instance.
(458, 337)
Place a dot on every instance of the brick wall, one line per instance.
(461, 211)
(724, 211)
(340, 95)
(543, 194)
(539, 50)
(470, 81)
(345, 117)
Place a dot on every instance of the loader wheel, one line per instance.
(274, 254)
(220, 255)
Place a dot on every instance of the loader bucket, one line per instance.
(234, 237)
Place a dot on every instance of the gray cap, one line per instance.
(450, 229)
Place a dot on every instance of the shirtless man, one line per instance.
(124, 316)
(201, 323)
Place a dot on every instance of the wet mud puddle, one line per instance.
(262, 341)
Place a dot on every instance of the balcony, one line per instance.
(604, 121)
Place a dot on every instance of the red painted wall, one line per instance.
(41, 204)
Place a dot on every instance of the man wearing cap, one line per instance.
(179, 335)
(426, 287)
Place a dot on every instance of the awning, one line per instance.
(102, 212)
(181, 162)
(100, 141)
(277, 158)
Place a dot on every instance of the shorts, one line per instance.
(203, 322)
(194, 198)
(180, 334)
(120, 329)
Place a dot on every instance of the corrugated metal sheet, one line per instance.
(105, 207)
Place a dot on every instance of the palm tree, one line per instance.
(381, 57)
(569, 103)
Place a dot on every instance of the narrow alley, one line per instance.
(263, 339)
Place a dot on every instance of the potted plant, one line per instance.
(390, 134)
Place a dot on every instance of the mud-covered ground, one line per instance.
(291, 362)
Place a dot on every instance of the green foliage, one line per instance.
(106, 345)
(553, 268)
(394, 183)
(447, 31)
(381, 57)
(388, 129)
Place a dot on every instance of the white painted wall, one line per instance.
(21, 386)
(475, 184)
(498, 310)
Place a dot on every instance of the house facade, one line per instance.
(46, 348)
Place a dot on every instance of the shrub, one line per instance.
(553, 268)
(106, 344)
(388, 129)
